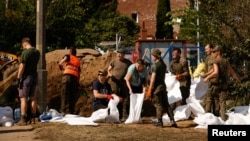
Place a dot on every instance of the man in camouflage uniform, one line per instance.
(208, 50)
(158, 91)
(212, 94)
(179, 67)
(224, 69)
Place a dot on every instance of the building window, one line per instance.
(134, 16)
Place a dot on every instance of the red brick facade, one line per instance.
(144, 11)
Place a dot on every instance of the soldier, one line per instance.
(212, 95)
(208, 50)
(157, 89)
(179, 67)
(224, 69)
(208, 66)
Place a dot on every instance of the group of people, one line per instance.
(217, 77)
(27, 82)
(123, 78)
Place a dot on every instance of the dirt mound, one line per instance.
(91, 62)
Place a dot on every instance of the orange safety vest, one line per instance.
(72, 67)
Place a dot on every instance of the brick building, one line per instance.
(144, 12)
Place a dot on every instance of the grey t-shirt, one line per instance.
(137, 77)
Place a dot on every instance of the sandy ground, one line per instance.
(17, 133)
(105, 131)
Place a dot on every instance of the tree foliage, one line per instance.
(221, 22)
(16, 21)
(163, 30)
(82, 23)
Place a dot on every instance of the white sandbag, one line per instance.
(80, 121)
(182, 112)
(55, 114)
(203, 120)
(237, 118)
(195, 106)
(70, 116)
(192, 89)
(201, 88)
(136, 101)
(241, 109)
(109, 114)
(99, 115)
(211, 119)
(113, 116)
(165, 118)
(200, 120)
(173, 88)
(248, 114)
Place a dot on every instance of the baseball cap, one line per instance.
(156, 52)
(102, 72)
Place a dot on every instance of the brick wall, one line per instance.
(145, 11)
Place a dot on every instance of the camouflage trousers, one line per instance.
(222, 101)
(160, 101)
(212, 99)
(223, 97)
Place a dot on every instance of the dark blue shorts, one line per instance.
(29, 87)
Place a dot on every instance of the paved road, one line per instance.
(17, 133)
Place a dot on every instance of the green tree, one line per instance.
(81, 23)
(163, 30)
(217, 25)
(16, 21)
(86, 23)
(225, 23)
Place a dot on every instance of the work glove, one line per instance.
(109, 97)
(61, 67)
(179, 76)
(148, 95)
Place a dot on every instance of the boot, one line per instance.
(224, 117)
(33, 119)
(173, 123)
(158, 124)
(22, 121)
